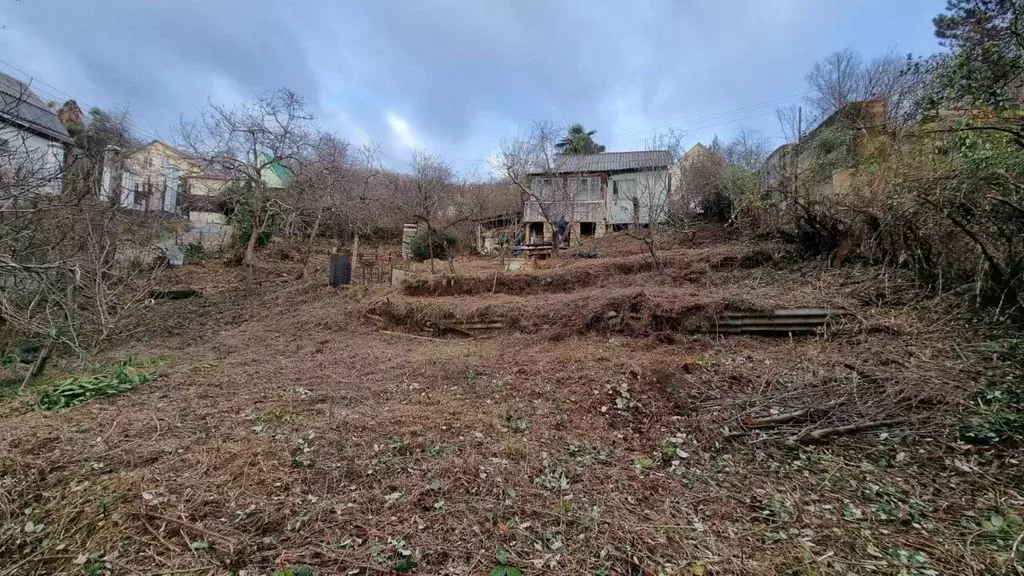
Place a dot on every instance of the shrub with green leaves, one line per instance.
(76, 390)
(440, 243)
(243, 224)
(193, 251)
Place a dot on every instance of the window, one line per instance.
(585, 189)
(543, 188)
(624, 189)
(588, 229)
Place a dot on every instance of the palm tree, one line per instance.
(579, 141)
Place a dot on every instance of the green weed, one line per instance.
(76, 389)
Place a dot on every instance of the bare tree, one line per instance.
(72, 268)
(247, 140)
(748, 149)
(834, 82)
(427, 194)
(703, 186)
(651, 194)
(531, 163)
(322, 193)
(790, 122)
(843, 77)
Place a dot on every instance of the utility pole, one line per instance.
(799, 138)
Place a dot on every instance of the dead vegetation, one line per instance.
(284, 428)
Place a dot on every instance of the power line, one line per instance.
(711, 125)
(53, 92)
(724, 114)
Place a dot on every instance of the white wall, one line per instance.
(650, 188)
(33, 160)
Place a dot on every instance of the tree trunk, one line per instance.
(250, 246)
(430, 246)
(40, 364)
(309, 245)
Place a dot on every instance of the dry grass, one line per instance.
(285, 428)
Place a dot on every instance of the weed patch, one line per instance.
(76, 389)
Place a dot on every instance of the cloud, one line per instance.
(455, 75)
(402, 130)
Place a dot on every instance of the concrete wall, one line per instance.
(207, 217)
(38, 161)
(202, 186)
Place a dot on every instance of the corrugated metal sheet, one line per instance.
(609, 162)
(779, 322)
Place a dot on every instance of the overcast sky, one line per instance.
(454, 76)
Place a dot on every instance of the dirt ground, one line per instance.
(602, 428)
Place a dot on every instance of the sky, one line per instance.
(454, 77)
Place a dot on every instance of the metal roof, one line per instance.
(609, 162)
(19, 104)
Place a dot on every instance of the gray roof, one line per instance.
(20, 105)
(610, 162)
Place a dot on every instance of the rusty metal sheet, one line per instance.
(778, 322)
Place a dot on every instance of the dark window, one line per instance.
(536, 232)
(588, 229)
(620, 227)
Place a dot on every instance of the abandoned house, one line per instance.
(585, 195)
(823, 162)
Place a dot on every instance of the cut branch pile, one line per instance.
(847, 405)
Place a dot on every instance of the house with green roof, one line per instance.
(274, 174)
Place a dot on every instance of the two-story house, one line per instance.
(587, 194)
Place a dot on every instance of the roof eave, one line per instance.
(37, 130)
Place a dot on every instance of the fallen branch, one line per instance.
(788, 416)
(230, 542)
(412, 336)
(821, 434)
(1013, 554)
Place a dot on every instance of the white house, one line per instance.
(33, 142)
(592, 193)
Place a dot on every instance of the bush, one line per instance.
(243, 224)
(193, 251)
(440, 243)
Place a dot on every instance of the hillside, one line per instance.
(585, 415)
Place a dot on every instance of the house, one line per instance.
(33, 142)
(587, 194)
(158, 177)
(823, 162)
(149, 178)
(273, 173)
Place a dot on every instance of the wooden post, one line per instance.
(355, 257)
